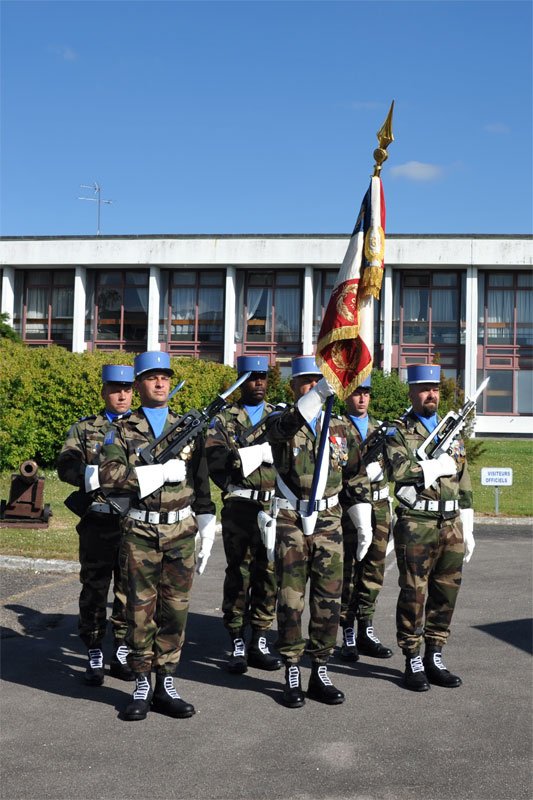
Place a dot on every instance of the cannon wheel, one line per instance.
(47, 513)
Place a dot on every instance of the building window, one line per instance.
(323, 283)
(271, 314)
(505, 342)
(44, 304)
(191, 319)
(120, 316)
(429, 320)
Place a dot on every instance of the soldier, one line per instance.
(247, 479)
(168, 504)
(98, 528)
(363, 579)
(433, 533)
(309, 547)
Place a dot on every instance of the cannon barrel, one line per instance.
(28, 470)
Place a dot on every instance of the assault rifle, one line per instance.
(186, 428)
(256, 434)
(373, 446)
(441, 438)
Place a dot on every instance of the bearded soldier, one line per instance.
(247, 479)
(433, 533)
(166, 504)
(99, 528)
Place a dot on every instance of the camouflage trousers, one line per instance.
(99, 543)
(429, 553)
(363, 580)
(158, 590)
(250, 586)
(317, 559)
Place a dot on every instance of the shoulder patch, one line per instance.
(109, 437)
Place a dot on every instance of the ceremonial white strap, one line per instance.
(301, 506)
(436, 505)
(380, 494)
(249, 494)
(92, 479)
(165, 518)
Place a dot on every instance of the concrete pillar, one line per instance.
(154, 295)
(307, 312)
(387, 311)
(8, 293)
(230, 321)
(78, 315)
(471, 331)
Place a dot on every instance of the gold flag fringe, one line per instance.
(371, 281)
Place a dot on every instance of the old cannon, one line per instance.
(25, 507)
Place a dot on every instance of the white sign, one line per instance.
(496, 476)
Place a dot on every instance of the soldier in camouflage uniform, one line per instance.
(167, 504)
(98, 529)
(247, 479)
(310, 547)
(433, 533)
(363, 579)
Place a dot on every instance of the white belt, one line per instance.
(164, 518)
(436, 505)
(249, 494)
(101, 508)
(380, 494)
(301, 505)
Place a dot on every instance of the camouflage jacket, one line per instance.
(82, 448)
(295, 449)
(222, 447)
(406, 470)
(120, 457)
(378, 485)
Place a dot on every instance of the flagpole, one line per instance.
(385, 137)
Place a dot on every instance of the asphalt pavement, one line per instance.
(64, 740)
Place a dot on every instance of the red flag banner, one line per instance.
(345, 347)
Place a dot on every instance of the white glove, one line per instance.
(252, 457)
(310, 404)
(361, 516)
(154, 476)
(92, 479)
(267, 527)
(174, 471)
(374, 471)
(206, 529)
(467, 518)
(435, 468)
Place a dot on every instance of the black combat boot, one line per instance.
(259, 655)
(167, 701)
(94, 674)
(237, 663)
(348, 651)
(119, 665)
(436, 671)
(368, 643)
(321, 688)
(414, 675)
(140, 704)
(293, 697)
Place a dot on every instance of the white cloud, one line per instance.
(65, 52)
(417, 171)
(497, 127)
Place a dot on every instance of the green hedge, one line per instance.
(43, 390)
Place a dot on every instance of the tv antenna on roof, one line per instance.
(98, 200)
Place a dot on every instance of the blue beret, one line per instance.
(252, 364)
(304, 365)
(152, 360)
(117, 373)
(366, 384)
(423, 373)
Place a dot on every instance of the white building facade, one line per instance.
(466, 300)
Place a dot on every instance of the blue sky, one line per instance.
(261, 116)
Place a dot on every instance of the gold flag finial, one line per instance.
(385, 137)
